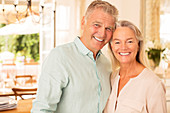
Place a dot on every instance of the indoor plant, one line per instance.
(154, 52)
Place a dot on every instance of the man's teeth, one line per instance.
(98, 39)
(124, 53)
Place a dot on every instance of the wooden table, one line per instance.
(7, 93)
(24, 106)
(22, 91)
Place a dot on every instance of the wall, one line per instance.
(128, 9)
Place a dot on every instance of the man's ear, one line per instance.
(82, 22)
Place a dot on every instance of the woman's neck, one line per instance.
(130, 70)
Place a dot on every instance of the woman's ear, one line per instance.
(138, 45)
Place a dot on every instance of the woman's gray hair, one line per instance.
(141, 54)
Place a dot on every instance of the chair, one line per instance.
(20, 91)
(26, 79)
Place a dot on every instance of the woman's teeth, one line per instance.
(124, 53)
(98, 39)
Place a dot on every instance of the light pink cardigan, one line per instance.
(142, 94)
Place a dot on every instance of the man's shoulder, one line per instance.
(61, 52)
(64, 47)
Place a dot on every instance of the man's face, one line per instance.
(97, 30)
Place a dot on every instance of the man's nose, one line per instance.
(102, 32)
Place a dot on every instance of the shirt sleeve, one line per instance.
(51, 82)
(157, 101)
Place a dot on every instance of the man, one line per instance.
(75, 76)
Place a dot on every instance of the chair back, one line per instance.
(20, 91)
(25, 80)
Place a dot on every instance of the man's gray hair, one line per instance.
(105, 6)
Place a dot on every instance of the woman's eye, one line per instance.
(130, 41)
(117, 42)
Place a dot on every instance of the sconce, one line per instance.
(20, 16)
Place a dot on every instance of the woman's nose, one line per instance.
(123, 46)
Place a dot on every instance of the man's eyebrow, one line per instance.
(97, 22)
(111, 27)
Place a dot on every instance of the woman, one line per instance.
(135, 88)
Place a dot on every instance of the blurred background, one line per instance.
(29, 29)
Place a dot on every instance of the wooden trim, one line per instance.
(143, 17)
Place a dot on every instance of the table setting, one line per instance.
(7, 103)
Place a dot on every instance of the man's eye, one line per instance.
(96, 25)
(109, 29)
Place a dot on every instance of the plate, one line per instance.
(7, 103)
(8, 107)
(4, 100)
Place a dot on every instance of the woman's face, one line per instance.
(124, 45)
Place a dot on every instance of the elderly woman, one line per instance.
(135, 88)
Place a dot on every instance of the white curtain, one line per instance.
(152, 20)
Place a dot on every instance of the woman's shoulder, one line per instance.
(153, 83)
(149, 77)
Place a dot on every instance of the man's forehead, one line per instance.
(108, 26)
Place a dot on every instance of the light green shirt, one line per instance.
(72, 81)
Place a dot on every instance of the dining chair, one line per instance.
(20, 91)
(25, 79)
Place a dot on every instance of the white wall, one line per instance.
(128, 10)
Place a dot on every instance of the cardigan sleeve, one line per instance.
(157, 101)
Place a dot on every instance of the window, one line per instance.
(165, 27)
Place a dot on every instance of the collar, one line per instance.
(83, 49)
